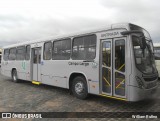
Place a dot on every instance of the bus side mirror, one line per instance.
(142, 42)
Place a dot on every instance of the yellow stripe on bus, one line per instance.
(35, 82)
(118, 98)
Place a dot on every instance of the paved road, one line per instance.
(24, 96)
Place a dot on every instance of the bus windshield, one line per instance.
(143, 57)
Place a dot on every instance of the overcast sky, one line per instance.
(22, 20)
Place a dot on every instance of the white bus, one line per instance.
(102, 62)
(157, 56)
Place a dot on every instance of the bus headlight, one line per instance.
(140, 82)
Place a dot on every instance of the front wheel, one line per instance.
(79, 87)
(14, 76)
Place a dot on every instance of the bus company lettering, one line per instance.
(111, 34)
(78, 63)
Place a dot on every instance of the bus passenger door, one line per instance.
(106, 84)
(36, 59)
(113, 68)
(119, 69)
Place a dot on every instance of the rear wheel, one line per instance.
(79, 87)
(14, 76)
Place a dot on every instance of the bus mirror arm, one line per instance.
(143, 43)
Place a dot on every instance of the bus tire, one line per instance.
(79, 87)
(14, 76)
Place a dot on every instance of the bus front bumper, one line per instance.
(137, 94)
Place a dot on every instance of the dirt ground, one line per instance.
(26, 97)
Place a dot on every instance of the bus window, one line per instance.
(84, 48)
(120, 67)
(157, 53)
(106, 71)
(62, 49)
(107, 54)
(37, 55)
(12, 54)
(6, 54)
(28, 52)
(47, 51)
(120, 55)
(21, 53)
(0, 58)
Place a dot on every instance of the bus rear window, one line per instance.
(84, 48)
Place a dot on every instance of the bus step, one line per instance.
(36, 82)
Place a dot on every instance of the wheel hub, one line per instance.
(79, 88)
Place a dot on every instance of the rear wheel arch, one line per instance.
(12, 71)
(14, 75)
(74, 75)
(78, 80)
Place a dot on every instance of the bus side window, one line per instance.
(12, 54)
(28, 52)
(61, 49)
(21, 53)
(47, 51)
(84, 48)
(6, 54)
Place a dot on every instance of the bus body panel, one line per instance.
(57, 72)
(137, 94)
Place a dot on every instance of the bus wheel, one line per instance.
(14, 76)
(79, 87)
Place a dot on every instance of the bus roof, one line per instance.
(112, 26)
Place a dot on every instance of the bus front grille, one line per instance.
(151, 85)
(150, 78)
